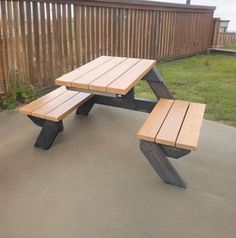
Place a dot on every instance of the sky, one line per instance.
(225, 9)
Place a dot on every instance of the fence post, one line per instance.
(216, 32)
(2, 78)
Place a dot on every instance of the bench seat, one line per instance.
(49, 111)
(56, 105)
(172, 129)
(174, 123)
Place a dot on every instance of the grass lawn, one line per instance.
(210, 79)
(230, 47)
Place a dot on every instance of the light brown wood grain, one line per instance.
(68, 106)
(43, 41)
(49, 106)
(154, 121)
(190, 130)
(130, 78)
(86, 79)
(102, 82)
(172, 124)
(29, 108)
(68, 78)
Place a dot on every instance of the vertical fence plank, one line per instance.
(36, 34)
(2, 82)
(44, 44)
(49, 42)
(70, 35)
(29, 43)
(22, 9)
(4, 49)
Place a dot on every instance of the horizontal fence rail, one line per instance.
(41, 40)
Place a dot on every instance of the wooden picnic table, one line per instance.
(112, 80)
(171, 129)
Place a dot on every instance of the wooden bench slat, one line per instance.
(67, 107)
(102, 82)
(46, 108)
(29, 108)
(128, 80)
(153, 123)
(84, 81)
(68, 78)
(190, 130)
(172, 124)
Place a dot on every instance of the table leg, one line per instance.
(157, 84)
(130, 95)
(161, 164)
(86, 107)
(49, 132)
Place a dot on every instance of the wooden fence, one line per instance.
(228, 38)
(220, 39)
(41, 40)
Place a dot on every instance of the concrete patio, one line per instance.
(95, 182)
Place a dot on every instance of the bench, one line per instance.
(172, 129)
(49, 111)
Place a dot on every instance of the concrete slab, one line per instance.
(95, 182)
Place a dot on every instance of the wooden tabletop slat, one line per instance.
(68, 106)
(190, 131)
(46, 108)
(84, 81)
(102, 82)
(29, 108)
(154, 121)
(172, 124)
(129, 79)
(68, 78)
(113, 75)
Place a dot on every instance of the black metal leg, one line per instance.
(161, 164)
(48, 134)
(157, 84)
(130, 95)
(86, 107)
(37, 121)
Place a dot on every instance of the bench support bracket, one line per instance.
(48, 133)
(86, 107)
(37, 121)
(161, 164)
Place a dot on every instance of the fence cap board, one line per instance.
(138, 4)
(156, 3)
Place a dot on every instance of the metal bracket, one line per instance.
(86, 107)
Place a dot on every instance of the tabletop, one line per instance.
(107, 74)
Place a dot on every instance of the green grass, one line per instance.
(209, 79)
(230, 47)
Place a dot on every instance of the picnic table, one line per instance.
(171, 130)
(112, 80)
